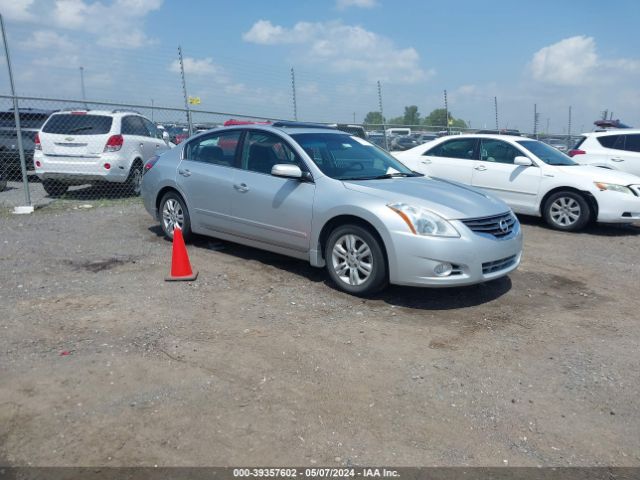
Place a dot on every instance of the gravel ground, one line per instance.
(261, 361)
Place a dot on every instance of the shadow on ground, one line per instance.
(408, 297)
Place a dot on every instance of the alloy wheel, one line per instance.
(565, 211)
(352, 259)
(172, 216)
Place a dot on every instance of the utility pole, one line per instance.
(84, 94)
(16, 115)
(536, 120)
(184, 91)
(293, 90)
(354, 117)
(495, 104)
(547, 131)
(569, 128)
(386, 144)
(446, 112)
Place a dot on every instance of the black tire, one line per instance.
(134, 179)
(186, 220)
(354, 264)
(54, 188)
(567, 211)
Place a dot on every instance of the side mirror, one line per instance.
(286, 170)
(522, 161)
(165, 136)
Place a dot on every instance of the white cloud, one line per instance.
(571, 61)
(47, 39)
(17, 10)
(115, 24)
(194, 66)
(342, 4)
(344, 48)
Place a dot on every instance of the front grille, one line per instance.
(497, 226)
(497, 265)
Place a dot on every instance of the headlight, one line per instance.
(613, 187)
(424, 222)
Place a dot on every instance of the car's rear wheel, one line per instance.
(54, 188)
(355, 260)
(568, 211)
(134, 180)
(174, 214)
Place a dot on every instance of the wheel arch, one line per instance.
(588, 196)
(349, 219)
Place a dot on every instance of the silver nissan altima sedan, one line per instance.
(334, 200)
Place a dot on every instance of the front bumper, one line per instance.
(615, 207)
(475, 258)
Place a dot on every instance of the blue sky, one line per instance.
(239, 54)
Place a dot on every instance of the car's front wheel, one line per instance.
(568, 211)
(174, 213)
(54, 188)
(355, 260)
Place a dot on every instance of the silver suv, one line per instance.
(334, 200)
(89, 146)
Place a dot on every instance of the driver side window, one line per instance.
(262, 150)
(492, 150)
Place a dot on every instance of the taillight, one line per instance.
(575, 152)
(114, 143)
(36, 142)
(150, 163)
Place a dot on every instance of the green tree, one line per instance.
(411, 115)
(438, 118)
(373, 118)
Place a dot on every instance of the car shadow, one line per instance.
(401, 296)
(97, 192)
(599, 229)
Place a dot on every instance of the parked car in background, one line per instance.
(403, 143)
(558, 144)
(532, 177)
(613, 149)
(31, 119)
(424, 137)
(334, 200)
(177, 133)
(88, 146)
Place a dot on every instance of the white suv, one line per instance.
(614, 149)
(90, 146)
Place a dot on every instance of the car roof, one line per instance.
(612, 131)
(512, 138)
(288, 130)
(110, 113)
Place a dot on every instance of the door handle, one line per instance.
(142, 145)
(185, 172)
(242, 187)
(157, 145)
(617, 159)
(480, 168)
(426, 162)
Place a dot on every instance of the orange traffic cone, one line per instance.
(180, 265)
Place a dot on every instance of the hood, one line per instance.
(599, 174)
(449, 200)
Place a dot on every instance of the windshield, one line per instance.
(78, 124)
(346, 157)
(546, 153)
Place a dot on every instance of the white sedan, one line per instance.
(532, 177)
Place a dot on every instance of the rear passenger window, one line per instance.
(133, 125)
(612, 141)
(215, 148)
(459, 148)
(632, 143)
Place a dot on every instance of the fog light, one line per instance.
(443, 269)
(107, 166)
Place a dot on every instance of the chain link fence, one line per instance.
(86, 150)
(82, 150)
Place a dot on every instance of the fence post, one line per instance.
(184, 91)
(384, 130)
(16, 114)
